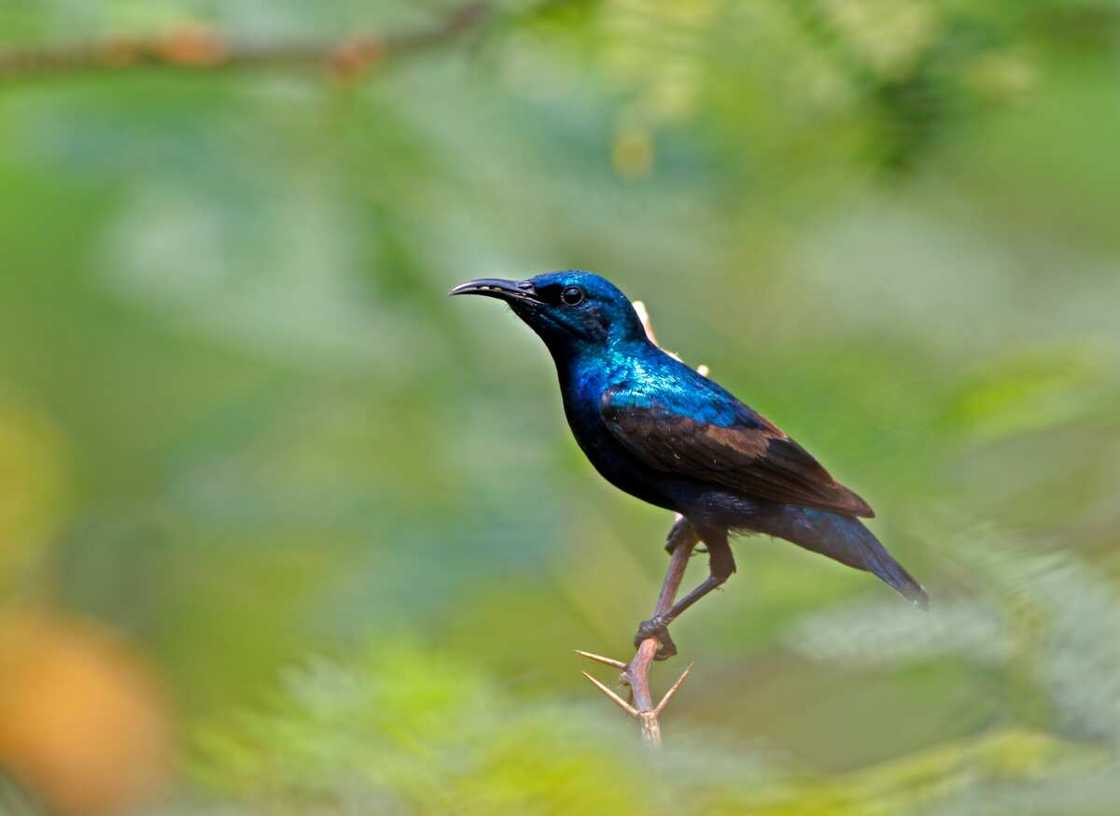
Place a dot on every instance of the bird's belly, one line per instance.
(630, 478)
(618, 466)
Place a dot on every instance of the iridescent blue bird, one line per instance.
(670, 436)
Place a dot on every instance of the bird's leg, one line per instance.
(679, 544)
(721, 565)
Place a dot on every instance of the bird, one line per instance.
(668, 435)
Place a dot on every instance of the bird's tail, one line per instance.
(873, 557)
(846, 540)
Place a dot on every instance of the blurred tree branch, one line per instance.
(200, 48)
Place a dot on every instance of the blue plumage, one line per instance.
(660, 431)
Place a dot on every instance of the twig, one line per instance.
(635, 674)
(199, 48)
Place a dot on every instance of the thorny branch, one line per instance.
(635, 674)
(199, 48)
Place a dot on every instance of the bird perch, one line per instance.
(635, 674)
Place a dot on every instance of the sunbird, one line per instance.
(661, 431)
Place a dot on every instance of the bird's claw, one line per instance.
(656, 627)
(677, 534)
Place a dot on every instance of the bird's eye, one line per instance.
(572, 296)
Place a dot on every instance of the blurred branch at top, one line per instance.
(200, 48)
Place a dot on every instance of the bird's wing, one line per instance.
(734, 448)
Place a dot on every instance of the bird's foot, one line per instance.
(677, 534)
(657, 627)
(672, 543)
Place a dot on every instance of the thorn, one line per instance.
(606, 661)
(618, 701)
(673, 690)
(647, 324)
(643, 316)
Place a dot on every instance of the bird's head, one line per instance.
(567, 309)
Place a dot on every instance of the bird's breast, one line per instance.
(583, 394)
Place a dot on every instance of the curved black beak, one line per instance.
(499, 288)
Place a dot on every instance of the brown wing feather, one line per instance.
(757, 461)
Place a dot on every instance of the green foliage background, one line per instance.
(242, 426)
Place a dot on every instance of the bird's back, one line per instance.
(651, 425)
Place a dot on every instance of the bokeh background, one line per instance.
(285, 530)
